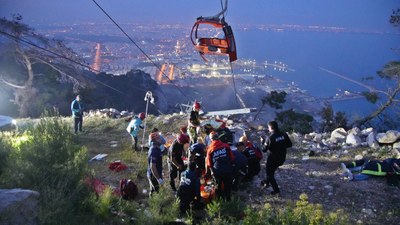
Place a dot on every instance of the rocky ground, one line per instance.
(370, 201)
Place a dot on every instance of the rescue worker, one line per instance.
(133, 128)
(189, 188)
(155, 130)
(240, 166)
(194, 123)
(253, 156)
(77, 113)
(175, 162)
(219, 161)
(154, 160)
(197, 155)
(276, 146)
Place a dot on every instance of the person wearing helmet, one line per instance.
(219, 160)
(194, 122)
(175, 162)
(156, 132)
(133, 128)
(253, 155)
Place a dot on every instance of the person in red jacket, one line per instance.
(276, 146)
(219, 160)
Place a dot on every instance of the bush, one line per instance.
(301, 213)
(225, 212)
(46, 159)
(5, 147)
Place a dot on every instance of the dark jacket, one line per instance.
(277, 144)
(220, 158)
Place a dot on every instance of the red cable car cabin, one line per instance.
(214, 46)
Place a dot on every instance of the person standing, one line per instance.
(276, 145)
(175, 161)
(154, 160)
(219, 160)
(77, 113)
(133, 128)
(194, 123)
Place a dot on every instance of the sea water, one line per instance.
(350, 54)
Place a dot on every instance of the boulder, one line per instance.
(353, 140)
(389, 137)
(396, 145)
(355, 130)
(367, 131)
(317, 137)
(339, 134)
(18, 206)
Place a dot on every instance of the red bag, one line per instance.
(128, 188)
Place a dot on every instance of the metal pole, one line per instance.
(147, 99)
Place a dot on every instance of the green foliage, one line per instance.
(221, 211)
(163, 208)
(331, 120)
(390, 71)
(5, 147)
(293, 121)
(46, 159)
(275, 99)
(371, 96)
(395, 18)
(300, 213)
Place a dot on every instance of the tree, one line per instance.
(389, 97)
(31, 50)
(290, 120)
(331, 120)
(274, 99)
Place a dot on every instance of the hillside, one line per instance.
(365, 202)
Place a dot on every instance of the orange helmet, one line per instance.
(196, 105)
(142, 116)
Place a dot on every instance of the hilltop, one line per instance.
(366, 202)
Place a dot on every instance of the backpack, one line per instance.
(128, 189)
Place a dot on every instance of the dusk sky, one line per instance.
(358, 14)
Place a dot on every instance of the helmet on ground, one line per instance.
(183, 139)
(142, 116)
(196, 105)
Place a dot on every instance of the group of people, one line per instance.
(198, 157)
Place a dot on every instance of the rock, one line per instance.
(389, 137)
(371, 139)
(353, 140)
(396, 145)
(358, 157)
(338, 134)
(18, 206)
(311, 187)
(317, 138)
(329, 188)
(355, 130)
(369, 212)
(367, 131)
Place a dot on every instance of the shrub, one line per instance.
(46, 159)
(301, 213)
(225, 212)
(5, 147)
